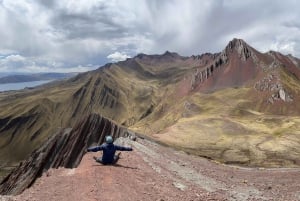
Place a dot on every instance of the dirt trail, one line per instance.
(153, 172)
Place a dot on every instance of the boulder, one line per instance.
(282, 95)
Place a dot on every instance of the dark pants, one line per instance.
(116, 158)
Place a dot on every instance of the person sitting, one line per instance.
(109, 149)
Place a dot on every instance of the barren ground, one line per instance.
(153, 172)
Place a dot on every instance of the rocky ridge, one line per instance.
(269, 64)
(154, 172)
(64, 149)
(156, 92)
(271, 83)
(220, 60)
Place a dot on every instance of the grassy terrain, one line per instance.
(28, 118)
(225, 131)
(232, 125)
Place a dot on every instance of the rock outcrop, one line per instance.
(236, 46)
(202, 74)
(64, 149)
(241, 47)
(272, 83)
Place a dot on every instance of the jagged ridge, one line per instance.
(151, 91)
(64, 149)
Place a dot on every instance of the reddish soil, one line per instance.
(153, 172)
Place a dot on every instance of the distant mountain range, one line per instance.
(238, 106)
(34, 77)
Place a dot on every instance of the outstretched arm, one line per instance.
(95, 149)
(120, 148)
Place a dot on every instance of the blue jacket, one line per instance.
(109, 151)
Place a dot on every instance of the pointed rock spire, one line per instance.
(240, 46)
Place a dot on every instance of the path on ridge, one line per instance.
(153, 172)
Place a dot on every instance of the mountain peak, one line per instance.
(141, 55)
(165, 56)
(236, 43)
(241, 47)
(172, 54)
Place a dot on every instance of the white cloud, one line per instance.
(117, 56)
(18, 63)
(12, 61)
(14, 58)
(78, 69)
(73, 33)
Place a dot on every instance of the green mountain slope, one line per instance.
(234, 106)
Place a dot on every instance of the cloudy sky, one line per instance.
(80, 35)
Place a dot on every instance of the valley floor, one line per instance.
(153, 172)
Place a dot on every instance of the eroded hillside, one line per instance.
(234, 106)
(154, 172)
